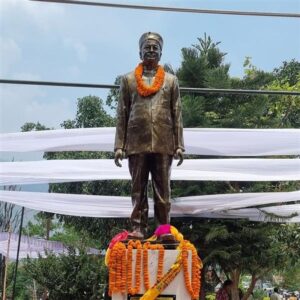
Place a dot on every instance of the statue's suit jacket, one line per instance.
(150, 124)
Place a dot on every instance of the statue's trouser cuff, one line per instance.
(159, 165)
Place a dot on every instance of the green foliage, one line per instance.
(210, 296)
(29, 126)
(289, 72)
(113, 96)
(290, 235)
(91, 113)
(284, 111)
(202, 65)
(253, 248)
(69, 276)
(291, 278)
(39, 225)
(254, 78)
(24, 283)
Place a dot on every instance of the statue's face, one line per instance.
(150, 52)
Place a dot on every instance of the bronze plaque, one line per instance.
(161, 297)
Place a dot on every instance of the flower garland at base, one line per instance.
(192, 287)
(119, 261)
(117, 269)
(137, 276)
(161, 254)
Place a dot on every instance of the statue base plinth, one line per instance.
(176, 290)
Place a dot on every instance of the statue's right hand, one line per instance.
(118, 157)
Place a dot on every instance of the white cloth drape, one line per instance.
(259, 215)
(192, 169)
(192, 205)
(121, 207)
(32, 247)
(201, 141)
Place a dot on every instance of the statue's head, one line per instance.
(151, 45)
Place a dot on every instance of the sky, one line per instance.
(73, 43)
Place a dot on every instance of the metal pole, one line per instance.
(18, 252)
(182, 89)
(65, 84)
(1, 281)
(176, 9)
(6, 263)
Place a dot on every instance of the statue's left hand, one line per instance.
(118, 157)
(179, 155)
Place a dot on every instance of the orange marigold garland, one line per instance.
(123, 271)
(161, 253)
(112, 272)
(146, 90)
(160, 268)
(117, 275)
(194, 286)
(129, 266)
(119, 261)
(145, 267)
(137, 245)
(118, 269)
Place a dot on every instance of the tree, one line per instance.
(69, 276)
(29, 126)
(90, 113)
(203, 65)
(289, 72)
(284, 111)
(291, 278)
(226, 243)
(24, 286)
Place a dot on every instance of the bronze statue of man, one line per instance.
(149, 132)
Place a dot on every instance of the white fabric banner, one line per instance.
(48, 171)
(32, 247)
(200, 141)
(192, 205)
(121, 207)
(259, 215)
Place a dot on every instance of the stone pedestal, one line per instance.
(176, 287)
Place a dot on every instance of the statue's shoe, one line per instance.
(135, 235)
(167, 238)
